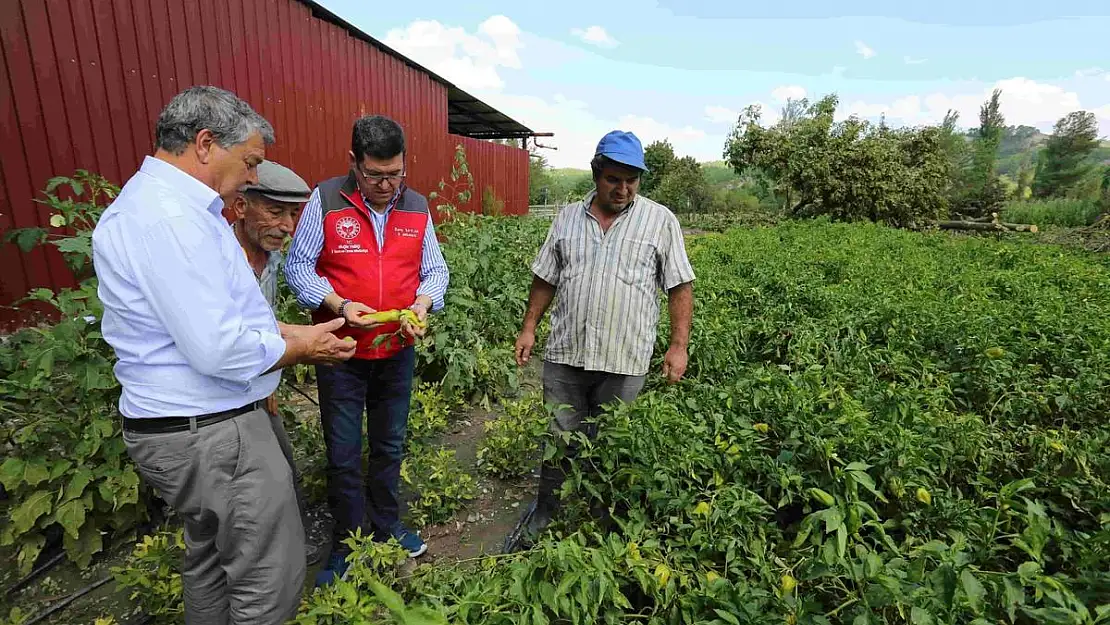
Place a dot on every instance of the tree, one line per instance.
(540, 180)
(582, 188)
(683, 189)
(658, 156)
(848, 170)
(984, 192)
(1064, 161)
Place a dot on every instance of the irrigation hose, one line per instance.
(35, 574)
(61, 605)
(306, 395)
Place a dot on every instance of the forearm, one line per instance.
(680, 302)
(539, 299)
(331, 302)
(296, 348)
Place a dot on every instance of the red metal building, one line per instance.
(82, 84)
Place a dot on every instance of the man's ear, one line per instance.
(205, 141)
(239, 206)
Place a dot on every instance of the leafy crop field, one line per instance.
(878, 426)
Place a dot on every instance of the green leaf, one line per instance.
(973, 589)
(71, 516)
(26, 238)
(919, 616)
(28, 512)
(1053, 615)
(35, 472)
(1029, 569)
(11, 473)
(421, 615)
(841, 540)
(727, 617)
(1015, 598)
(944, 580)
(84, 547)
(1016, 487)
(59, 468)
(29, 550)
(77, 483)
(388, 597)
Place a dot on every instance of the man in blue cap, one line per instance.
(602, 263)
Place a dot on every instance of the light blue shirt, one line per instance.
(308, 242)
(182, 308)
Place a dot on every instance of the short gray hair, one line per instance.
(230, 119)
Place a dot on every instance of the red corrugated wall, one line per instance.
(502, 167)
(82, 83)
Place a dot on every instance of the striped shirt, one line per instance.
(308, 241)
(606, 301)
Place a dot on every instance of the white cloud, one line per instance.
(595, 35)
(469, 60)
(863, 50)
(577, 129)
(912, 61)
(721, 114)
(788, 92)
(1023, 102)
(649, 129)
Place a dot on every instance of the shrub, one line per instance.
(512, 442)
(1056, 212)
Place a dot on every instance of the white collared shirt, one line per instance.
(182, 308)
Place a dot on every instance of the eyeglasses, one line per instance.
(377, 179)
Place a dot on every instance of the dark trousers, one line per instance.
(382, 388)
(580, 395)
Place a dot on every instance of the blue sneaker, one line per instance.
(409, 541)
(335, 569)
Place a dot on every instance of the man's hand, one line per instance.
(353, 315)
(524, 342)
(674, 363)
(271, 405)
(321, 347)
(420, 307)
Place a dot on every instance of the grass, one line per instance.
(1058, 212)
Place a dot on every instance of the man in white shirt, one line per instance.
(199, 351)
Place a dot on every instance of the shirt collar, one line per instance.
(388, 207)
(198, 193)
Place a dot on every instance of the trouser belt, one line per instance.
(157, 425)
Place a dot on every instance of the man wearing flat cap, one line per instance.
(603, 262)
(263, 216)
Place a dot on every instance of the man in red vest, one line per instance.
(365, 243)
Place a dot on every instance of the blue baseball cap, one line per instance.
(622, 147)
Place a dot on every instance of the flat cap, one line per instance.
(279, 183)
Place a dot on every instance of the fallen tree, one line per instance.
(986, 226)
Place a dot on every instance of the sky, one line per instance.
(683, 70)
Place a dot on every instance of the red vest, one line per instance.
(350, 260)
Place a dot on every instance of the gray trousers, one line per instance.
(287, 448)
(583, 394)
(244, 543)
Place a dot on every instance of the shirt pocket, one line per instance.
(636, 263)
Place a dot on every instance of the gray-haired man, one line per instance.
(263, 215)
(198, 352)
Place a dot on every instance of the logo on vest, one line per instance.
(408, 233)
(347, 228)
